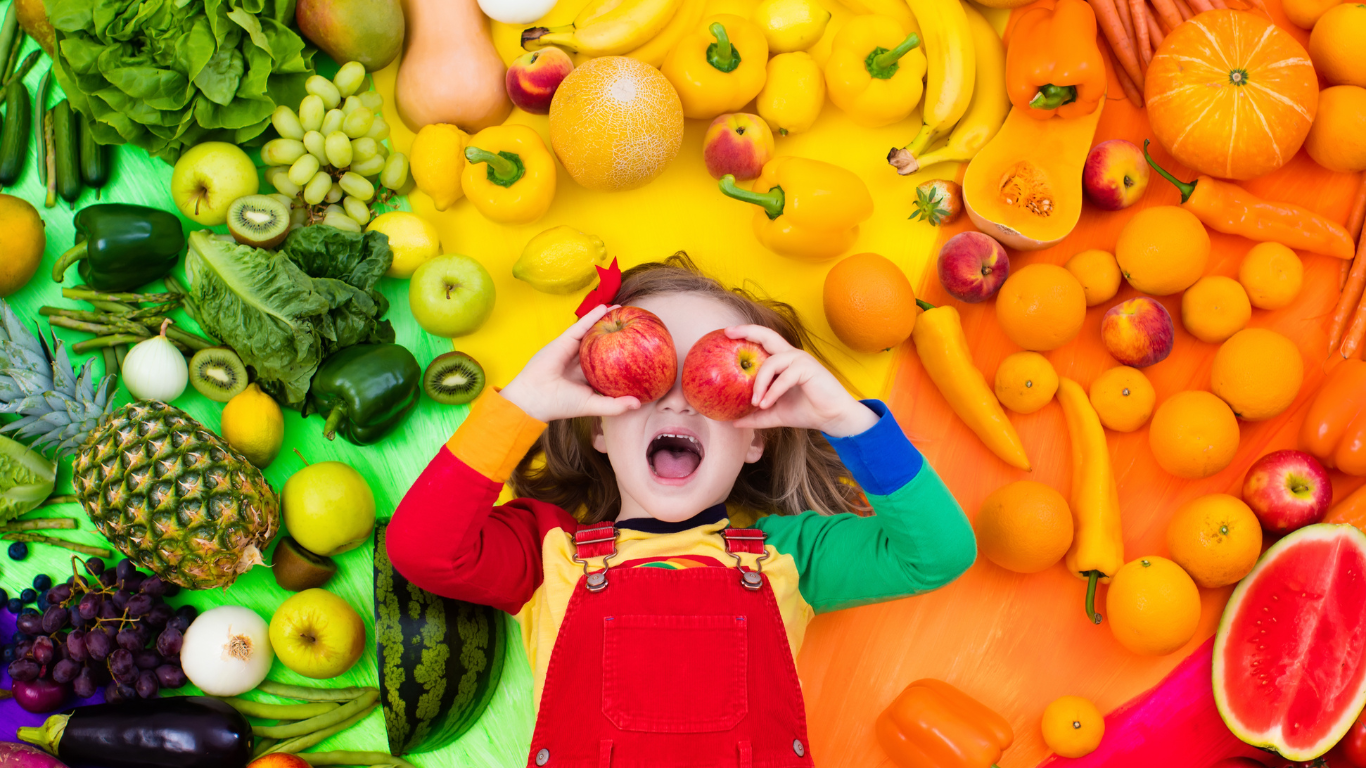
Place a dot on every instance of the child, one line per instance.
(660, 634)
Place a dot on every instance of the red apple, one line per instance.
(533, 77)
(279, 760)
(1115, 175)
(1138, 332)
(737, 144)
(1288, 490)
(718, 375)
(972, 266)
(629, 353)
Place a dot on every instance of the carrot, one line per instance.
(1219, 4)
(1120, 42)
(1200, 6)
(1356, 330)
(1130, 90)
(1145, 50)
(1167, 13)
(1357, 216)
(1356, 279)
(1183, 9)
(1156, 31)
(1125, 18)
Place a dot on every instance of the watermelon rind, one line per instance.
(440, 659)
(1272, 739)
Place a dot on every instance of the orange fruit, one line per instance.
(1215, 308)
(869, 303)
(1335, 45)
(1041, 307)
(25, 239)
(1194, 434)
(1303, 13)
(1098, 273)
(615, 123)
(1162, 250)
(1024, 527)
(1257, 372)
(1153, 606)
(1337, 139)
(1025, 382)
(1271, 273)
(1216, 538)
(1072, 726)
(1123, 398)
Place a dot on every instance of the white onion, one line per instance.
(226, 651)
(155, 369)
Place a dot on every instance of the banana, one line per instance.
(607, 29)
(986, 111)
(952, 66)
(684, 21)
(896, 9)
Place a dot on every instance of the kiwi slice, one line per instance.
(258, 220)
(454, 378)
(297, 569)
(218, 373)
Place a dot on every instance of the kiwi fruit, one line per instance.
(297, 569)
(258, 220)
(218, 373)
(454, 378)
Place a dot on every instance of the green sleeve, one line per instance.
(917, 540)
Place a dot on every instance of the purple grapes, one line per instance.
(130, 639)
(65, 671)
(169, 642)
(24, 670)
(159, 616)
(29, 623)
(54, 618)
(171, 676)
(84, 685)
(98, 644)
(75, 645)
(116, 692)
(44, 651)
(147, 684)
(89, 606)
(147, 659)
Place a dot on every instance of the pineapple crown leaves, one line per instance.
(929, 206)
(57, 406)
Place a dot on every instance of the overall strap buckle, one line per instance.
(597, 540)
(749, 540)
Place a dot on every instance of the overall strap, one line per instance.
(749, 540)
(597, 540)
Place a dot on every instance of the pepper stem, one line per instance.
(73, 254)
(1091, 578)
(46, 736)
(925, 305)
(334, 420)
(773, 201)
(505, 168)
(1053, 96)
(882, 63)
(1187, 188)
(722, 54)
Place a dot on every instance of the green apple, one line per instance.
(209, 177)
(451, 295)
(328, 508)
(317, 634)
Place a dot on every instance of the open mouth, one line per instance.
(674, 456)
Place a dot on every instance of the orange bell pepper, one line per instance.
(1053, 65)
(934, 725)
(1335, 428)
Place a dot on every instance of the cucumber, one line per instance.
(94, 158)
(65, 134)
(14, 136)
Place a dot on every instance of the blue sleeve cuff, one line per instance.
(881, 458)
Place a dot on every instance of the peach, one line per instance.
(533, 77)
(1115, 175)
(972, 266)
(737, 144)
(1138, 332)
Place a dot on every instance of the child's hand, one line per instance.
(552, 385)
(793, 389)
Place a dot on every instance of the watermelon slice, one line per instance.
(1289, 673)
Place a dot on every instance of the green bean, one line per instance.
(280, 711)
(311, 740)
(9, 29)
(305, 693)
(262, 747)
(85, 294)
(354, 758)
(40, 524)
(44, 86)
(100, 342)
(314, 724)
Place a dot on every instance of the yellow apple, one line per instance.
(317, 634)
(328, 508)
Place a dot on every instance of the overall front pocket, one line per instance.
(674, 674)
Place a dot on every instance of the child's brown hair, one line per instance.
(799, 470)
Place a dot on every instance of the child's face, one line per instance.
(673, 478)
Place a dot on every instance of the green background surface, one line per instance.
(502, 735)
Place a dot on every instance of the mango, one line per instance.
(367, 31)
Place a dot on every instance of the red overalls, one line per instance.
(665, 668)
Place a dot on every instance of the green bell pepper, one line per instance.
(366, 391)
(122, 247)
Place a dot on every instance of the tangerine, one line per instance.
(1337, 139)
(1216, 538)
(1072, 726)
(1162, 250)
(1335, 45)
(1258, 372)
(1193, 434)
(1024, 527)
(1215, 308)
(1098, 273)
(1123, 398)
(1025, 382)
(869, 303)
(1041, 307)
(1153, 606)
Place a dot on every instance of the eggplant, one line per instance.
(173, 732)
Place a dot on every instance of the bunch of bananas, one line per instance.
(641, 29)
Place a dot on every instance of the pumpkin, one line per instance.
(1024, 187)
(450, 71)
(1231, 95)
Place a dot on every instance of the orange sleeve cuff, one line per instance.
(494, 436)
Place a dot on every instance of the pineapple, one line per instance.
(163, 489)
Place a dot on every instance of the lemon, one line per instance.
(413, 239)
(791, 25)
(436, 161)
(254, 425)
(560, 260)
(25, 241)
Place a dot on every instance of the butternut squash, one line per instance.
(1024, 187)
(450, 71)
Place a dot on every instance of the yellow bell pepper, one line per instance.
(1097, 550)
(509, 174)
(808, 209)
(793, 93)
(875, 70)
(719, 67)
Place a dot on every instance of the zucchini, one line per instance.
(14, 136)
(65, 134)
(94, 158)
